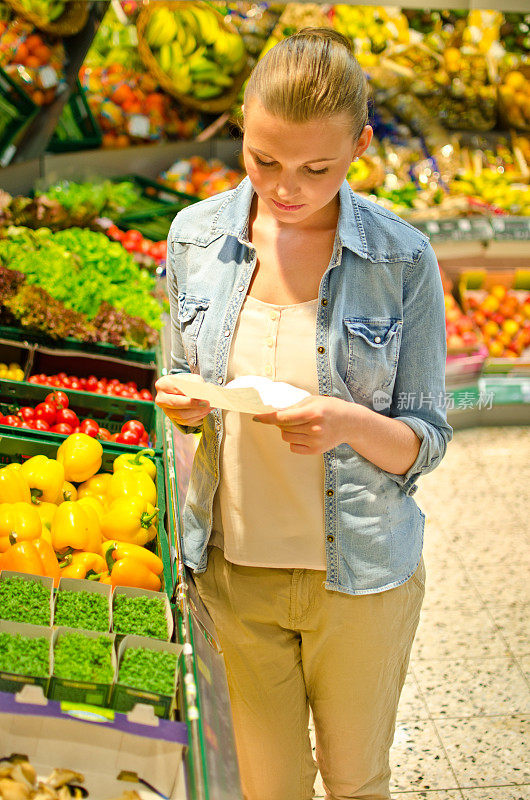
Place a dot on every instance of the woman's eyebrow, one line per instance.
(311, 161)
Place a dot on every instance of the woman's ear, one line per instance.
(363, 142)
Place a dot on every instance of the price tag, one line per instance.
(464, 225)
(433, 227)
(7, 155)
(48, 77)
(139, 126)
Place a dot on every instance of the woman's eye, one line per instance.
(317, 171)
(264, 163)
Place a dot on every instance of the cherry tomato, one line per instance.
(134, 426)
(58, 399)
(12, 420)
(91, 383)
(63, 428)
(46, 411)
(68, 416)
(90, 427)
(39, 425)
(74, 384)
(26, 413)
(128, 437)
(145, 394)
(103, 433)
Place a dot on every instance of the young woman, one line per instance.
(300, 525)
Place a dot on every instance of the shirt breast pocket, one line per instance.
(373, 352)
(191, 311)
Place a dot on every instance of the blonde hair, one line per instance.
(311, 75)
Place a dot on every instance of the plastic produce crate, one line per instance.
(157, 200)
(20, 448)
(17, 110)
(155, 228)
(19, 353)
(77, 129)
(108, 411)
(99, 348)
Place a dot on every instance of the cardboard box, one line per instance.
(79, 691)
(47, 582)
(13, 681)
(124, 697)
(99, 743)
(82, 585)
(133, 591)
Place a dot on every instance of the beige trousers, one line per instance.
(288, 644)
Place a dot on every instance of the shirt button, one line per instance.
(324, 301)
(330, 538)
(227, 332)
(321, 349)
(329, 492)
(241, 288)
(219, 379)
(274, 315)
(270, 341)
(377, 339)
(268, 370)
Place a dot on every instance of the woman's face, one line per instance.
(297, 168)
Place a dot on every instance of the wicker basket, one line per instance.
(216, 104)
(71, 21)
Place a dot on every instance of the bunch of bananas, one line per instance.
(200, 56)
(50, 10)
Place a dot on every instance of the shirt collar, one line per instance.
(233, 215)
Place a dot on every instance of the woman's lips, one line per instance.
(283, 207)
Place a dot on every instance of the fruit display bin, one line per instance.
(68, 344)
(17, 110)
(15, 353)
(77, 129)
(157, 200)
(108, 411)
(20, 448)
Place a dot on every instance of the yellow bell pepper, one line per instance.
(18, 520)
(46, 512)
(68, 492)
(138, 462)
(129, 519)
(94, 504)
(131, 565)
(45, 478)
(96, 486)
(127, 483)
(83, 565)
(81, 457)
(13, 485)
(76, 528)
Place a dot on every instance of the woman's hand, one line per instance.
(179, 408)
(315, 424)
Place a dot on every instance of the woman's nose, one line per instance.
(287, 187)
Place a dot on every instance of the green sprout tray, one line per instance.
(20, 448)
(17, 110)
(77, 129)
(108, 411)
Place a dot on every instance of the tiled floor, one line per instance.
(464, 716)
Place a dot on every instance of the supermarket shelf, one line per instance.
(498, 5)
(41, 130)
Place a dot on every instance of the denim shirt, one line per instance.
(380, 342)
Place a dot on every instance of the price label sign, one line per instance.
(511, 228)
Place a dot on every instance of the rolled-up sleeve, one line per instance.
(419, 398)
(178, 363)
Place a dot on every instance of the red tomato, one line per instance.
(25, 424)
(67, 383)
(46, 411)
(68, 416)
(144, 441)
(58, 399)
(114, 437)
(128, 437)
(133, 236)
(145, 247)
(90, 427)
(74, 384)
(92, 383)
(136, 396)
(63, 428)
(103, 433)
(26, 413)
(100, 387)
(39, 425)
(134, 426)
(83, 383)
(33, 379)
(131, 385)
(52, 382)
(61, 376)
(145, 394)
(115, 232)
(12, 420)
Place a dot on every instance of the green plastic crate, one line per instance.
(98, 348)
(157, 200)
(77, 129)
(154, 228)
(109, 412)
(20, 448)
(17, 110)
